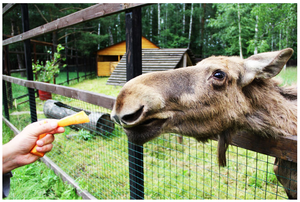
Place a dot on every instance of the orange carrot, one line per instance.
(77, 118)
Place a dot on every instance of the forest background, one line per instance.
(207, 29)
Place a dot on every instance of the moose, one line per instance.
(216, 98)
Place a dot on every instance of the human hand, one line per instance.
(16, 153)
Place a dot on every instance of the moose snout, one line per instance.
(128, 119)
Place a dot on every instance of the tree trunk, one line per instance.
(202, 31)
(110, 36)
(183, 19)
(151, 12)
(99, 26)
(191, 23)
(158, 21)
(54, 41)
(240, 32)
(255, 37)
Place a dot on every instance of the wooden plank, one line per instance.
(28, 61)
(84, 15)
(133, 20)
(281, 147)
(86, 96)
(7, 8)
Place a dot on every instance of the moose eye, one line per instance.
(219, 74)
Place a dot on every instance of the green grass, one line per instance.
(289, 75)
(172, 171)
(36, 181)
(98, 85)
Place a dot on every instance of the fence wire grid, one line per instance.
(98, 161)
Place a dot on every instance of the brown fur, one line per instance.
(216, 98)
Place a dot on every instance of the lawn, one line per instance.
(172, 171)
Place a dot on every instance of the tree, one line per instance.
(235, 27)
(191, 23)
(207, 29)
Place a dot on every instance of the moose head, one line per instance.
(214, 99)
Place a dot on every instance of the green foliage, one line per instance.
(85, 135)
(46, 72)
(214, 28)
(35, 181)
(262, 46)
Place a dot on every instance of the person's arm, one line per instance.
(16, 153)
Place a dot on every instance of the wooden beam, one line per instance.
(282, 147)
(28, 61)
(134, 68)
(86, 96)
(90, 13)
(133, 44)
(33, 41)
(7, 8)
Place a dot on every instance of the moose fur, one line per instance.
(214, 99)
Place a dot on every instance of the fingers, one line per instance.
(48, 126)
(48, 139)
(44, 149)
(59, 130)
(37, 128)
(45, 144)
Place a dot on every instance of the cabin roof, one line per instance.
(153, 60)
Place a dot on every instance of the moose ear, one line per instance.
(265, 65)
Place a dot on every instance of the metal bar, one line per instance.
(84, 15)
(28, 62)
(7, 71)
(4, 94)
(133, 69)
(67, 62)
(77, 67)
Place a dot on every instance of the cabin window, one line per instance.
(108, 58)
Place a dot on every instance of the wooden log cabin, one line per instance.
(109, 57)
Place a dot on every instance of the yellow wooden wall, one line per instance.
(120, 48)
(106, 68)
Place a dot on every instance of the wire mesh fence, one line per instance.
(97, 158)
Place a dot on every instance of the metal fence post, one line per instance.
(28, 62)
(6, 71)
(4, 94)
(77, 66)
(134, 68)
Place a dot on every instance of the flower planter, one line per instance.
(43, 95)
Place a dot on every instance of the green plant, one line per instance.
(36, 181)
(85, 135)
(50, 70)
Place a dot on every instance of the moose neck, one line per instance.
(272, 112)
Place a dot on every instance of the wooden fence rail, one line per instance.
(84, 15)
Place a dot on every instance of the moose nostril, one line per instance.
(132, 117)
(116, 118)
